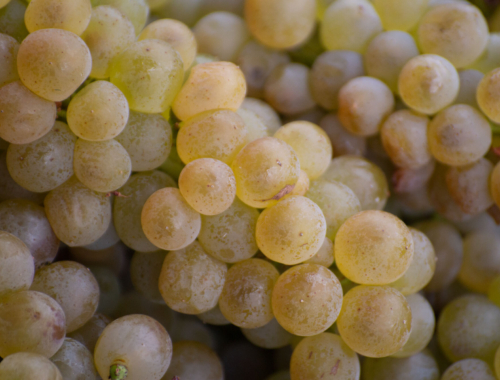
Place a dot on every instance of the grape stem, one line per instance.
(118, 372)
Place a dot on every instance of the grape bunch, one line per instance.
(249, 189)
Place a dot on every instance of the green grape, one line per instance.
(78, 215)
(194, 361)
(400, 15)
(173, 165)
(213, 317)
(16, 264)
(27, 365)
(302, 184)
(30, 322)
(156, 4)
(428, 83)
(8, 67)
(293, 26)
(12, 20)
(53, 63)
(186, 11)
(74, 360)
(287, 89)
(324, 354)
(337, 202)
(127, 210)
(388, 52)
(266, 170)
(110, 289)
(422, 267)
(28, 222)
(221, 34)
(223, 80)
(73, 16)
(254, 126)
(230, 235)
(233, 6)
(343, 142)
(280, 375)
(136, 11)
(246, 296)
(325, 255)
(469, 369)
(469, 82)
(145, 268)
(24, 116)
(90, 331)
(375, 321)
(307, 299)
(135, 343)
(489, 58)
(176, 34)
(108, 33)
(168, 221)
(264, 112)
(43, 164)
(457, 32)
(269, 336)
(330, 71)
(349, 25)
(109, 239)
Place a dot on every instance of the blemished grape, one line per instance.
(324, 356)
(136, 11)
(400, 15)
(254, 126)
(246, 296)
(53, 63)
(213, 317)
(307, 299)
(469, 369)
(469, 82)
(145, 268)
(137, 342)
(343, 142)
(31, 322)
(90, 331)
(28, 365)
(375, 321)
(264, 112)
(294, 25)
(12, 20)
(8, 67)
(74, 361)
(17, 267)
(325, 255)
(269, 336)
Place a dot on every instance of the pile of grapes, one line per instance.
(249, 190)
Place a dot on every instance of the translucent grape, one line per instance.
(343, 142)
(74, 361)
(468, 369)
(254, 126)
(302, 184)
(488, 95)
(8, 50)
(90, 331)
(16, 264)
(325, 255)
(401, 15)
(264, 112)
(27, 365)
(269, 336)
(488, 60)
(469, 82)
(213, 317)
(136, 11)
(145, 268)
(12, 20)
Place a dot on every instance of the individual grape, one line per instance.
(16, 264)
(269, 336)
(404, 135)
(302, 184)
(266, 170)
(373, 248)
(73, 16)
(457, 32)
(28, 222)
(78, 215)
(218, 134)
(177, 34)
(110, 289)
(8, 67)
(489, 58)
(28, 365)
(74, 360)
(343, 142)
(191, 329)
(287, 89)
(294, 25)
(409, 181)
(30, 322)
(375, 321)
(469, 82)
(230, 236)
(364, 103)
(264, 112)
(480, 222)
(168, 221)
(422, 267)
(330, 71)
(428, 83)
(223, 80)
(108, 33)
(349, 25)
(145, 268)
(307, 299)
(135, 343)
(401, 15)
(90, 331)
(253, 124)
(233, 6)
(324, 354)
(388, 52)
(469, 369)
(43, 164)
(488, 95)
(53, 63)
(194, 361)
(12, 20)
(24, 116)
(198, 60)
(109, 239)
(213, 317)
(136, 11)
(246, 296)
(325, 255)
(459, 135)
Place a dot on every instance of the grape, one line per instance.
(468, 369)
(53, 63)
(266, 170)
(30, 322)
(145, 271)
(110, 289)
(246, 296)
(12, 20)
(27, 365)
(264, 112)
(8, 50)
(90, 331)
(223, 80)
(108, 33)
(428, 83)
(107, 240)
(191, 329)
(401, 15)
(213, 317)
(75, 361)
(233, 6)
(194, 361)
(307, 299)
(409, 181)
(137, 343)
(480, 222)
(78, 215)
(294, 25)
(187, 11)
(343, 142)
(269, 336)
(73, 16)
(324, 354)
(375, 321)
(302, 184)
(168, 221)
(136, 11)
(16, 264)
(43, 164)
(488, 95)
(24, 116)
(349, 25)
(469, 82)
(457, 32)
(364, 103)
(489, 58)
(253, 124)
(325, 255)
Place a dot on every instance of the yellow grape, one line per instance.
(488, 95)
(17, 267)
(419, 366)
(72, 352)
(402, 14)
(343, 142)
(302, 185)
(253, 124)
(264, 112)
(136, 11)
(28, 365)
(8, 67)
(325, 255)
(90, 331)
(469, 369)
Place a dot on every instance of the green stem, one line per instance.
(118, 372)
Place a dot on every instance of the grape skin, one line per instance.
(16, 264)
(28, 365)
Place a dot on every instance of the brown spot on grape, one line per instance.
(284, 191)
(335, 368)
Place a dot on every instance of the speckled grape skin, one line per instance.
(16, 264)
(74, 360)
(27, 365)
(469, 369)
